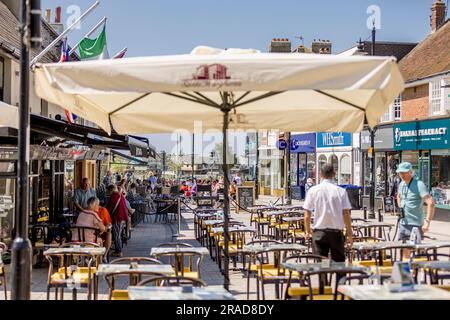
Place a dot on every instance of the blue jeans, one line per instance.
(405, 231)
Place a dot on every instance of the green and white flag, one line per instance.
(94, 49)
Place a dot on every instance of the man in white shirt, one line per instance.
(331, 208)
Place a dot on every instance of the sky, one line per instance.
(161, 27)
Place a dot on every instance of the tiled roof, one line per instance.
(10, 40)
(430, 57)
(387, 49)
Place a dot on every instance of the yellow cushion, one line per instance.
(370, 263)
(81, 275)
(2, 271)
(443, 287)
(255, 267)
(191, 274)
(119, 295)
(283, 226)
(304, 291)
(322, 297)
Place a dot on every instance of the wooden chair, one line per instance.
(166, 281)
(80, 233)
(3, 248)
(186, 264)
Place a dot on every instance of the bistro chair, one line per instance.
(186, 263)
(271, 271)
(134, 276)
(166, 281)
(41, 239)
(252, 268)
(236, 243)
(302, 291)
(325, 280)
(3, 248)
(74, 269)
(79, 234)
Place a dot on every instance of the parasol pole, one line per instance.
(226, 200)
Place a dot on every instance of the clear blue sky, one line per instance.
(157, 27)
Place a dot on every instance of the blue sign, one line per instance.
(422, 135)
(334, 139)
(303, 143)
(281, 144)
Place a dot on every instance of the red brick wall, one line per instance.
(415, 104)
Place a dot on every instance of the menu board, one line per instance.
(296, 193)
(389, 205)
(245, 197)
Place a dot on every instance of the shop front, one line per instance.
(335, 148)
(303, 163)
(425, 144)
(386, 162)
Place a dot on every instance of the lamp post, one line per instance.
(372, 147)
(29, 28)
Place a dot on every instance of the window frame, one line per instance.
(2, 79)
(436, 87)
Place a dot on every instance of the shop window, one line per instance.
(346, 170)
(440, 179)
(436, 106)
(322, 161)
(312, 167)
(398, 108)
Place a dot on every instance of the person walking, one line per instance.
(107, 180)
(331, 208)
(119, 215)
(412, 194)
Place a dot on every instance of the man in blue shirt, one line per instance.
(412, 194)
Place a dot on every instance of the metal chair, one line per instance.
(134, 276)
(74, 270)
(301, 291)
(166, 281)
(271, 271)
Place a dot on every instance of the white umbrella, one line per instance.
(290, 92)
(9, 115)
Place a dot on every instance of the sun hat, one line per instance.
(404, 167)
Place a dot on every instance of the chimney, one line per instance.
(58, 15)
(48, 15)
(438, 11)
(58, 26)
(280, 46)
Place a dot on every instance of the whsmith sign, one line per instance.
(422, 135)
(334, 139)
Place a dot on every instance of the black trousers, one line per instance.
(326, 241)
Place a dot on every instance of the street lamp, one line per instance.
(30, 37)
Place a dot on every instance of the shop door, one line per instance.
(424, 169)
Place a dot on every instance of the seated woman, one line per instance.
(89, 218)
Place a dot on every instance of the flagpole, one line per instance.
(63, 34)
(88, 34)
(124, 49)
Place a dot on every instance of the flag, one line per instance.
(65, 57)
(64, 51)
(121, 54)
(94, 49)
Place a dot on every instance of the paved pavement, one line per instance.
(147, 235)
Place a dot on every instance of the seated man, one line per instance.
(89, 218)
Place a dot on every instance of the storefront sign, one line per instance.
(334, 139)
(52, 153)
(303, 143)
(281, 144)
(422, 135)
(383, 139)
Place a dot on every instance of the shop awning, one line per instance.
(133, 160)
(9, 116)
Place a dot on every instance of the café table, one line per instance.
(432, 268)
(336, 267)
(293, 219)
(156, 252)
(247, 229)
(178, 293)
(381, 292)
(156, 268)
(366, 228)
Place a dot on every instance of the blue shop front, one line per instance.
(426, 144)
(303, 163)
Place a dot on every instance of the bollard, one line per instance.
(365, 213)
